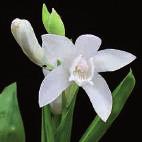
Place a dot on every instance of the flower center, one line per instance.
(82, 70)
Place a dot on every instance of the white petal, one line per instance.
(100, 97)
(53, 85)
(112, 59)
(45, 71)
(57, 47)
(25, 37)
(87, 45)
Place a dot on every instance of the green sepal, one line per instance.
(120, 95)
(11, 125)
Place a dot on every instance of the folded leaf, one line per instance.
(11, 125)
(120, 95)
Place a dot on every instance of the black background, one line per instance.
(115, 21)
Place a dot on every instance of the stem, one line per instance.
(47, 134)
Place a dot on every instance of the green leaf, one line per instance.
(55, 24)
(120, 95)
(63, 132)
(47, 133)
(45, 16)
(11, 125)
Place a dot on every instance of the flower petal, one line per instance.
(88, 44)
(25, 37)
(100, 96)
(45, 71)
(57, 48)
(52, 86)
(112, 59)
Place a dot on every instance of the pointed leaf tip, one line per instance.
(131, 75)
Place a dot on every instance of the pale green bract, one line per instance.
(81, 63)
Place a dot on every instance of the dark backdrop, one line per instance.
(115, 21)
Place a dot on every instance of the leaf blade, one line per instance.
(11, 125)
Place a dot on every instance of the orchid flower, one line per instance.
(80, 63)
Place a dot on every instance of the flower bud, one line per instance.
(25, 37)
(52, 22)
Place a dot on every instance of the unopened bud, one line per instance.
(25, 37)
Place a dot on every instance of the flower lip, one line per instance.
(82, 70)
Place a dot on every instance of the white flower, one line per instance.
(81, 63)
